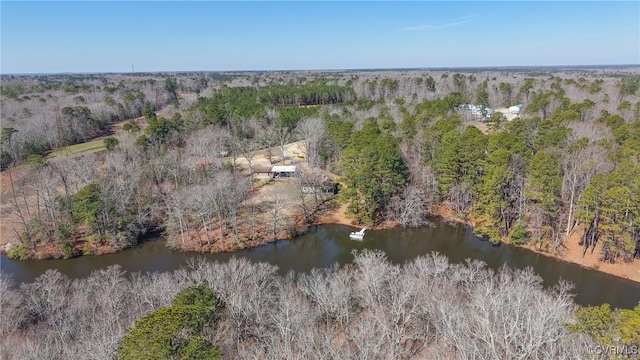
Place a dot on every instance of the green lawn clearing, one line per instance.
(78, 149)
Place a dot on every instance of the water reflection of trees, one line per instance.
(427, 308)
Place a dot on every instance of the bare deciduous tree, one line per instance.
(278, 219)
(247, 148)
(408, 207)
(313, 190)
(311, 130)
(282, 135)
(427, 308)
(584, 160)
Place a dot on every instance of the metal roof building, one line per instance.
(283, 171)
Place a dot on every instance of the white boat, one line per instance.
(357, 235)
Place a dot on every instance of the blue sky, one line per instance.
(45, 37)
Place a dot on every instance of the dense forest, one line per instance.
(149, 178)
(427, 308)
(176, 154)
(400, 142)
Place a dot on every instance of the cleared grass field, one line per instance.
(77, 149)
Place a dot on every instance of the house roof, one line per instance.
(284, 168)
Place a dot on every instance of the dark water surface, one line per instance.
(328, 244)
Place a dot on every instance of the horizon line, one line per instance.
(436, 68)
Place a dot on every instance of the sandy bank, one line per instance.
(570, 252)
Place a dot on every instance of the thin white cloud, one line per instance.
(457, 22)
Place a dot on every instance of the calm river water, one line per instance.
(328, 244)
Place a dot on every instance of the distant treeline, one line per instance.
(229, 104)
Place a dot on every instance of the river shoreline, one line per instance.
(629, 271)
(571, 252)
